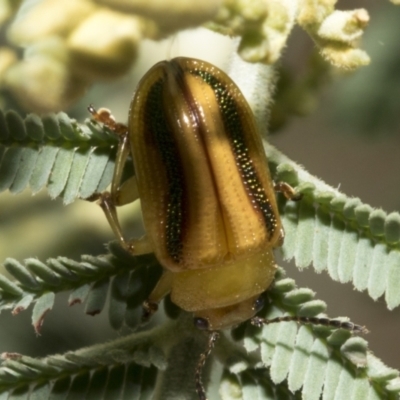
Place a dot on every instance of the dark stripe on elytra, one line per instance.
(232, 121)
(157, 126)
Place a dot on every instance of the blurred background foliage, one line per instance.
(343, 127)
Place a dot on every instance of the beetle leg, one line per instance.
(119, 194)
(120, 160)
(105, 117)
(290, 193)
(287, 191)
(162, 288)
(110, 200)
(108, 206)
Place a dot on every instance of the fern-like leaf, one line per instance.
(128, 365)
(311, 361)
(127, 279)
(349, 239)
(71, 160)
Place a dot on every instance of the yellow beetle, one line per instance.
(208, 201)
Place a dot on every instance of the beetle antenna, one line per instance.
(212, 338)
(334, 323)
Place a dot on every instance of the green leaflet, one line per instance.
(42, 306)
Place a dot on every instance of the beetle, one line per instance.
(208, 200)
